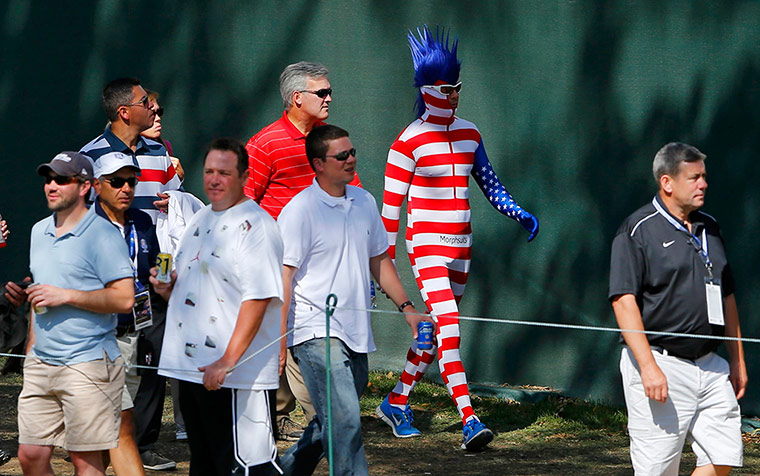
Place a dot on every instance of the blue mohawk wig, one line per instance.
(433, 60)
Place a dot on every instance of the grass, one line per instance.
(555, 436)
(554, 417)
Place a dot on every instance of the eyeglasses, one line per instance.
(160, 111)
(344, 155)
(118, 182)
(446, 89)
(144, 102)
(60, 179)
(320, 93)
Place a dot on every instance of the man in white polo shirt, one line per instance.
(333, 238)
(224, 309)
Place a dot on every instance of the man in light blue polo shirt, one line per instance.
(71, 395)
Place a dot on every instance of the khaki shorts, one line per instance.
(76, 407)
(128, 348)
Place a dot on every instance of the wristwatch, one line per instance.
(405, 304)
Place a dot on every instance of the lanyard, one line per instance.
(699, 245)
(133, 255)
(133, 247)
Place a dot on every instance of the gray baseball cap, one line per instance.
(68, 164)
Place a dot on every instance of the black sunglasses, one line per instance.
(118, 182)
(144, 102)
(320, 93)
(160, 111)
(344, 155)
(59, 179)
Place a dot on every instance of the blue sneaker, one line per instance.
(399, 420)
(475, 435)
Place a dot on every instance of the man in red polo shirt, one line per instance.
(276, 154)
(278, 170)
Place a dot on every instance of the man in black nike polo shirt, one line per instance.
(669, 273)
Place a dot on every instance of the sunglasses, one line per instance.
(320, 93)
(118, 182)
(160, 111)
(344, 155)
(60, 179)
(144, 102)
(447, 89)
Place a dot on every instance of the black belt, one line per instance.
(122, 330)
(700, 354)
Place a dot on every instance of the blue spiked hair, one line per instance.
(433, 60)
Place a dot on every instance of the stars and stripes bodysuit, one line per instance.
(429, 164)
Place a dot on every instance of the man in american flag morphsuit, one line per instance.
(429, 164)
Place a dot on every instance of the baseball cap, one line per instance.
(68, 164)
(112, 162)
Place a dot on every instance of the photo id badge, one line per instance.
(142, 311)
(714, 302)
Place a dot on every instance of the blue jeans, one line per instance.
(349, 375)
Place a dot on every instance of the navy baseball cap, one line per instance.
(68, 164)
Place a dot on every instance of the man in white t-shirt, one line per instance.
(333, 238)
(224, 308)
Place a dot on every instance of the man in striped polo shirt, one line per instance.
(130, 112)
(278, 170)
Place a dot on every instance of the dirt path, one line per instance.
(435, 453)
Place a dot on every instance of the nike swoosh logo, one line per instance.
(398, 422)
(666, 244)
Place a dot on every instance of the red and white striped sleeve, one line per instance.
(399, 171)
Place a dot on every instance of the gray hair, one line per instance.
(668, 160)
(294, 76)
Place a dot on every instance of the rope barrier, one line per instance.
(554, 325)
(558, 325)
(331, 307)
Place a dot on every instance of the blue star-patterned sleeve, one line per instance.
(498, 195)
